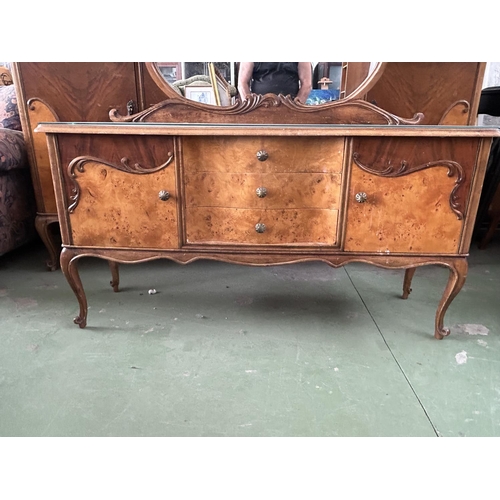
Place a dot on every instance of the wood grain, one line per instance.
(39, 111)
(214, 225)
(239, 154)
(430, 88)
(300, 190)
(120, 209)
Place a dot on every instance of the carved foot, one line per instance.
(69, 259)
(42, 223)
(81, 322)
(115, 276)
(441, 334)
(456, 280)
(409, 273)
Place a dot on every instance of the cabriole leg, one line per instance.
(456, 280)
(42, 223)
(70, 270)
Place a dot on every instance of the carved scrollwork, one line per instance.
(404, 168)
(456, 114)
(334, 111)
(32, 106)
(79, 162)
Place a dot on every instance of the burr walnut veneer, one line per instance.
(383, 192)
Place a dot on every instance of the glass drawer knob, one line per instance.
(260, 228)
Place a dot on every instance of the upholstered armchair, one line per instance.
(17, 202)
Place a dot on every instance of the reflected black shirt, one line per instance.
(275, 78)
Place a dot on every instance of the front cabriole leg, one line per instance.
(69, 268)
(458, 273)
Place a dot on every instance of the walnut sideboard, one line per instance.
(446, 92)
(395, 196)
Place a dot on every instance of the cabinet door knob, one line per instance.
(163, 195)
(260, 228)
(261, 192)
(262, 155)
(361, 197)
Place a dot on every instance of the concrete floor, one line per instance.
(227, 350)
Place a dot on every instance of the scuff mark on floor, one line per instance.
(468, 329)
(26, 302)
(244, 301)
(461, 358)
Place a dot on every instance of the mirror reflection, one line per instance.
(315, 82)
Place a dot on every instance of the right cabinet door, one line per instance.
(409, 194)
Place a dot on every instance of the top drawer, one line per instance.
(277, 154)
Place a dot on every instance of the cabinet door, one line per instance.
(124, 196)
(408, 195)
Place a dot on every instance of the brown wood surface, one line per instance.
(38, 111)
(236, 226)
(117, 212)
(402, 215)
(430, 88)
(80, 91)
(148, 152)
(120, 209)
(239, 154)
(266, 130)
(299, 190)
(411, 212)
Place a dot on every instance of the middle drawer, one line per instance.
(300, 190)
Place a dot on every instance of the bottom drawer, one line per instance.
(261, 227)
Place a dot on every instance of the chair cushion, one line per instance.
(12, 150)
(9, 112)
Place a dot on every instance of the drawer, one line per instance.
(280, 190)
(280, 154)
(238, 226)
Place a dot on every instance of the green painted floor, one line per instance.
(228, 350)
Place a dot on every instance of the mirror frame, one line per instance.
(358, 93)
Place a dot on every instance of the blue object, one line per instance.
(317, 96)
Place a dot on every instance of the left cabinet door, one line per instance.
(122, 196)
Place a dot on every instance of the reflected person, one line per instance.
(287, 78)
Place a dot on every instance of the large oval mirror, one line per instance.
(194, 80)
